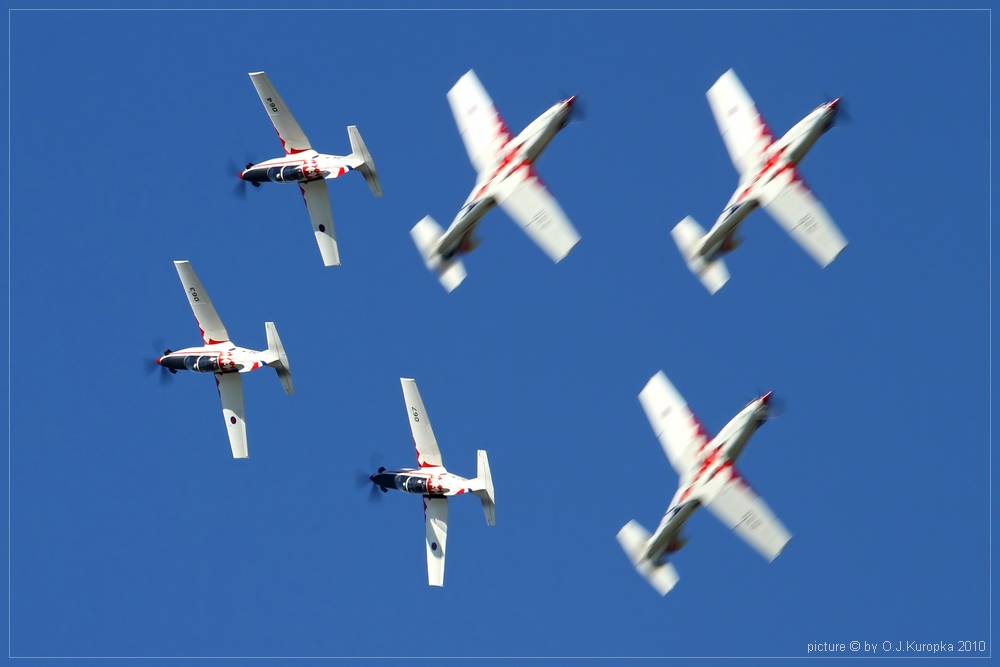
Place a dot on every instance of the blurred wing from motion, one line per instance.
(530, 204)
(793, 205)
(739, 507)
(743, 129)
(679, 431)
(483, 130)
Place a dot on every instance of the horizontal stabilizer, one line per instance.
(687, 235)
(280, 360)
(485, 479)
(367, 168)
(661, 576)
(451, 272)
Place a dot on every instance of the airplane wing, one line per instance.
(793, 205)
(483, 130)
(680, 433)
(739, 507)
(293, 139)
(530, 204)
(231, 392)
(209, 323)
(742, 127)
(317, 199)
(428, 454)
(436, 523)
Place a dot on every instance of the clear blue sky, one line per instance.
(134, 532)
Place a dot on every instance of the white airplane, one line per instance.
(434, 483)
(308, 168)
(227, 361)
(769, 177)
(707, 477)
(505, 175)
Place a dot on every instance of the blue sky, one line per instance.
(134, 533)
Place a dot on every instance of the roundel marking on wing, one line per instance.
(232, 420)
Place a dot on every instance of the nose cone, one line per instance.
(572, 109)
(383, 480)
(766, 398)
(834, 107)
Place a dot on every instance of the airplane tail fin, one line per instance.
(485, 480)
(712, 274)
(661, 576)
(277, 358)
(451, 272)
(367, 168)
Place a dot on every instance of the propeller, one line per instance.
(151, 367)
(362, 478)
(240, 189)
(579, 110)
(776, 407)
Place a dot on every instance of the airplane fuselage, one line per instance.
(432, 481)
(298, 168)
(517, 153)
(714, 467)
(780, 156)
(216, 358)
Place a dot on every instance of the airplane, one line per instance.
(308, 168)
(505, 175)
(221, 357)
(434, 483)
(707, 477)
(769, 177)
